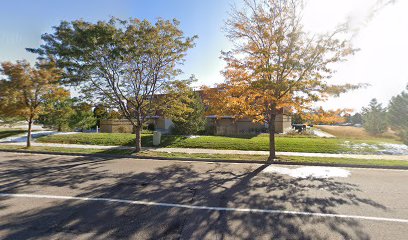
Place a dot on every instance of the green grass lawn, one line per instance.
(10, 132)
(260, 143)
(225, 157)
(108, 139)
(284, 159)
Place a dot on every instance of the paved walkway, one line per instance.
(320, 133)
(22, 138)
(220, 151)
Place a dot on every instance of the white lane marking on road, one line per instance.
(305, 172)
(173, 205)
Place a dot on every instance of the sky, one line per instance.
(380, 30)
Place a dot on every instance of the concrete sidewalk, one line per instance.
(22, 138)
(220, 151)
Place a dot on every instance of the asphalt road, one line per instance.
(67, 197)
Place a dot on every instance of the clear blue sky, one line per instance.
(23, 21)
(382, 35)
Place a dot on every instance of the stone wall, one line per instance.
(124, 125)
(283, 123)
(116, 126)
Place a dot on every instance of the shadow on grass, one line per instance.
(246, 136)
(108, 139)
(203, 185)
(166, 140)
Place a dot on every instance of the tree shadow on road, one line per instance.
(213, 185)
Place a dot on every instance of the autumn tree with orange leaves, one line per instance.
(275, 64)
(321, 116)
(26, 89)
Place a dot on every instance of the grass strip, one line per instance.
(10, 132)
(224, 157)
(255, 143)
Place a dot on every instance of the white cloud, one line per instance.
(381, 61)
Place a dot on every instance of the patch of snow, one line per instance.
(394, 149)
(362, 147)
(382, 148)
(193, 136)
(306, 172)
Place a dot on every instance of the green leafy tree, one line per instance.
(374, 118)
(67, 114)
(297, 118)
(26, 89)
(398, 114)
(184, 107)
(356, 119)
(100, 112)
(83, 118)
(121, 62)
(113, 114)
(58, 113)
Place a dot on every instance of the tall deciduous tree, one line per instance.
(275, 64)
(65, 114)
(83, 117)
(100, 112)
(57, 112)
(184, 107)
(121, 62)
(374, 118)
(398, 114)
(25, 90)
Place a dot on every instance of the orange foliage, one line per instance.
(274, 64)
(321, 116)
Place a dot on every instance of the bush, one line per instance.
(187, 128)
(296, 133)
(208, 130)
(184, 107)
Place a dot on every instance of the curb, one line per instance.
(208, 160)
(111, 156)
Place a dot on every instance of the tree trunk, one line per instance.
(30, 122)
(138, 138)
(271, 128)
